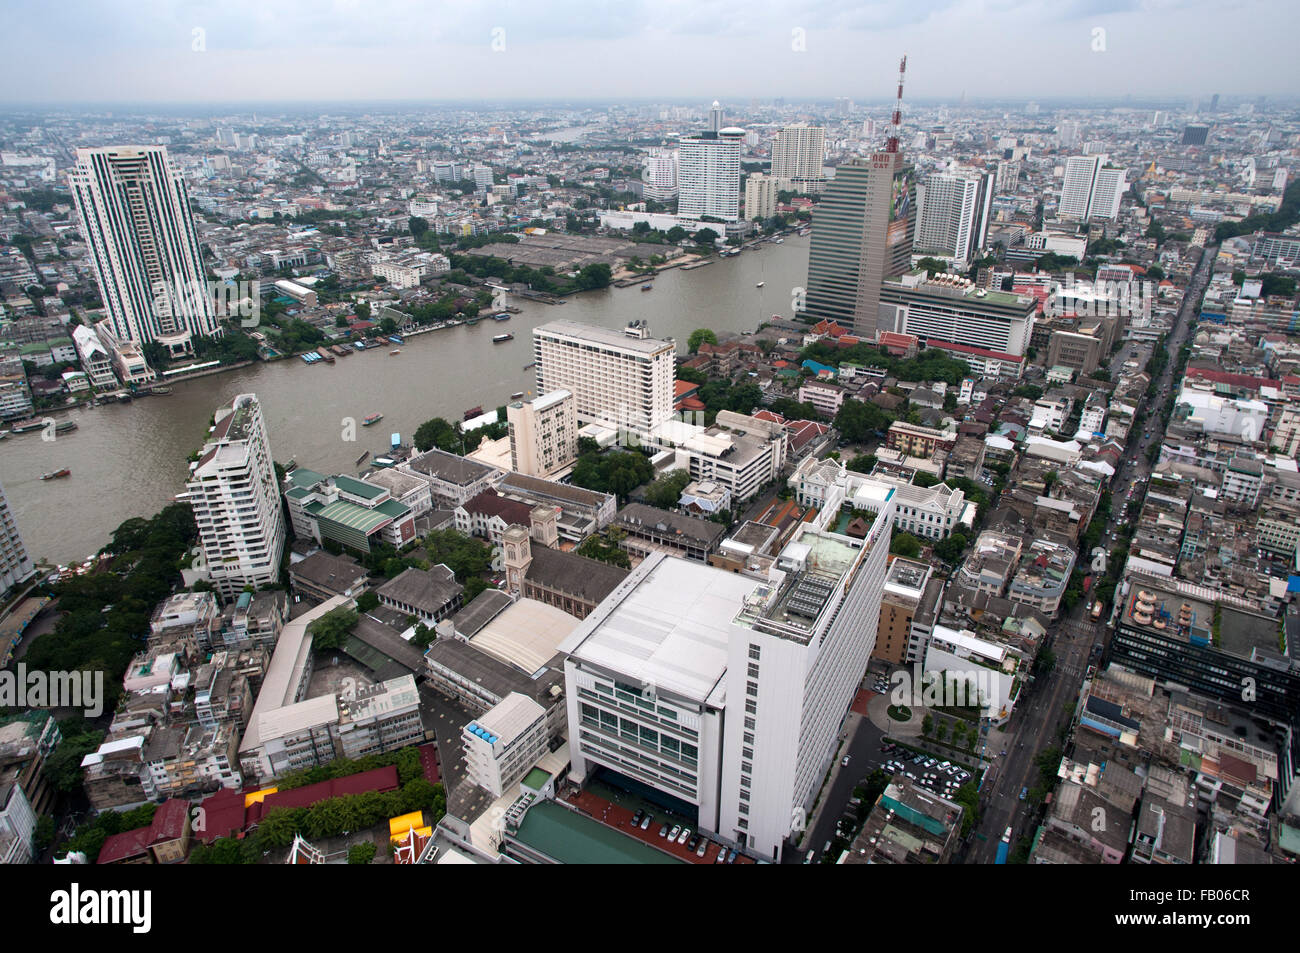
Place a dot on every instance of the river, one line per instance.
(130, 459)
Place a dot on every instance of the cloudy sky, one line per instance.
(331, 50)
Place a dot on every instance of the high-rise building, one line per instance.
(708, 174)
(136, 221)
(483, 177)
(1195, 134)
(659, 176)
(715, 117)
(797, 155)
(952, 214)
(236, 501)
(15, 564)
(760, 196)
(725, 693)
(1091, 190)
(543, 434)
(949, 308)
(862, 232)
(1067, 134)
(1008, 176)
(622, 378)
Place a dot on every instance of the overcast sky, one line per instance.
(687, 50)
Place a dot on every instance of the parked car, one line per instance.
(731, 856)
(1023, 793)
(844, 761)
(646, 822)
(693, 842)
(663, 830)
(636, 818)
(672, 834)
(684, 836)
(702, 849)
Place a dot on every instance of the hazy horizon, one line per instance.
(88, 53)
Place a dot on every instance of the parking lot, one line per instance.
(937, 775)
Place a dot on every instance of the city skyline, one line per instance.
(249, 53)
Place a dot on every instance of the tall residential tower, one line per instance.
(237, 502)
(136, 221)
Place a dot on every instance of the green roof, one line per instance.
(571, 838)
(353, 516)
(358, 487)
(393, 508)
(304, 477)
(536, 779)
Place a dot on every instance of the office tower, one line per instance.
(1067, 134)
(621, 378)
(482, 177)
(236, 501)
(543, 434)
(15, 564)
(868, 129)
(862, 232)
(797, 155)
(708, 174)
(760, 196)
(952, 214)
(659, 176)
(1214, 103)
(725, 692)
(136, 222)
(1195, 134)
(715, 117)
(1091, 190)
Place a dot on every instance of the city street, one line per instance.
(1037, 720)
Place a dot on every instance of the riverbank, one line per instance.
(129, 459)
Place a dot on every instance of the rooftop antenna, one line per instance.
(897, 119)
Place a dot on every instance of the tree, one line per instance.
(331, 630)
(677, 234)
(857, 420)
(417, 225)
(932, 266)
(700, 336)
(667, 490)
(905, 545)
(362, 310)
(950, 550)
(705, 236)
(362, 853)
(593, 276)
(367, 601)
(605, 550)
(436, 433)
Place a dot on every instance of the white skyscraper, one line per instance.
(715, 117)
(659, 176)
(797, 155)
(616, 377)
(952, 214)
(708, 174)
(760, 196)
(136, 221)
(15, 564)
(236, 500)
(1091, 189)
(727, 692)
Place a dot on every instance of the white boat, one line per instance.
(759, 285)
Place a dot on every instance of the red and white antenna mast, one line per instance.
(897, 120)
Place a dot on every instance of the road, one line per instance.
(1038, 719)
(863, 749)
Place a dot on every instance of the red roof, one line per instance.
(490, 503)
(1232, 380)
(380, 779)
(169, 821)
(223, 815)
(977, 351)
(690, 403)
(124, 846)
(769, 415)
(683, 388)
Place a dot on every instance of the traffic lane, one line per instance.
(863, 750)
